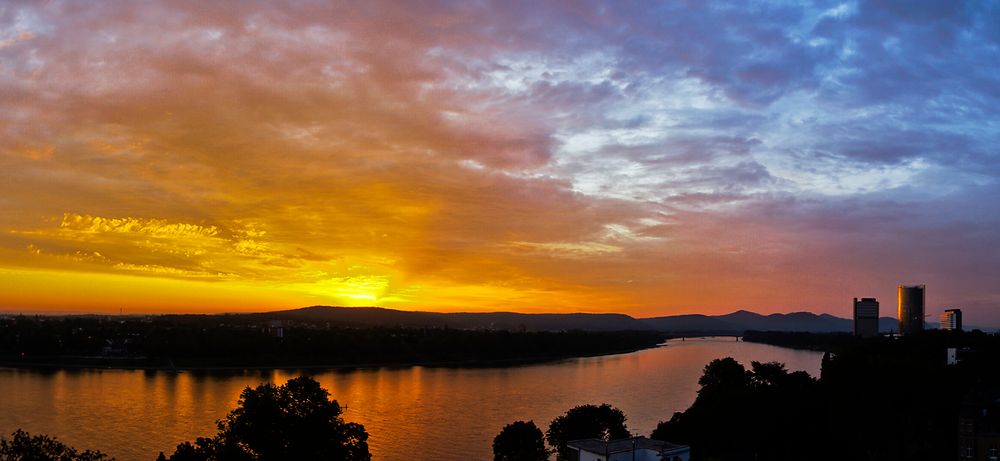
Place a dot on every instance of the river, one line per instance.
(410, 412)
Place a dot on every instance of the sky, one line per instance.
(648, 158)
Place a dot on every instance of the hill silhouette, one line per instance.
(742, 320)
(734, 323)
(377, 316)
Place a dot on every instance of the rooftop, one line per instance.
(622, 445)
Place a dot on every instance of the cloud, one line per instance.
(75, 224)
(598, 156)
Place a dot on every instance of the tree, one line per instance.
(584, 422)
(766, 413)
(723, 376)
(824, 365)
(520, 441)
(768, 374)
(294, 421)
(25, 447)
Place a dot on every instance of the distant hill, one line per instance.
(889, 324)
(740, 321)
(376, 316)
(734, 323)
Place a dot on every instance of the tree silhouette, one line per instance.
(766, 413)
(23, 446)
(583, 422)
(294, 421)
(520, 441)
(723, 376)
(767, 374)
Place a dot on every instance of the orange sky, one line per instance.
(189, 157)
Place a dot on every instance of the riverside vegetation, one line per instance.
(221, 342)
(876, 399)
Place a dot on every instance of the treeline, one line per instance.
(162, 342)
(733, 418)
(839, 342)
(883, 399)
(801, 340)
(876, 399)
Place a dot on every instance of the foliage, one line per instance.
(584, 422)
(294, 421)
(877, 399)
(520, 441)
(219, 340)
(26, 447)
(724, 376)
(801, 339)
(746, 408)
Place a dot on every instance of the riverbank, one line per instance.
(209, 344)
(113, 363)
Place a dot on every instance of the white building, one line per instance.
(635, 448)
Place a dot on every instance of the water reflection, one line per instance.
(443, 413)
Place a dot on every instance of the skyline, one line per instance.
(933, 321)
(558, 157)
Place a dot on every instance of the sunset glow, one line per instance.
(472, 156)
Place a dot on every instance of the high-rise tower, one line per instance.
(865, 317)
(911, 309)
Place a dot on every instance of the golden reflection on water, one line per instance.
(442, 413)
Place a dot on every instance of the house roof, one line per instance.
(599, 446)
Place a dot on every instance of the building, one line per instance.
(116, 347)
(979, 426)
(633, 448)
(911, 309)
(276, 328)
(865, 317)
(951, 319)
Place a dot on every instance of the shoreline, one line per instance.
(490, 363)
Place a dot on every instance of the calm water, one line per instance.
(441, 413)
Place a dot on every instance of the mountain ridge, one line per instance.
(732, 323)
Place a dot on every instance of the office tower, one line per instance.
(911, 309)
(865, 317)
(951, 319)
